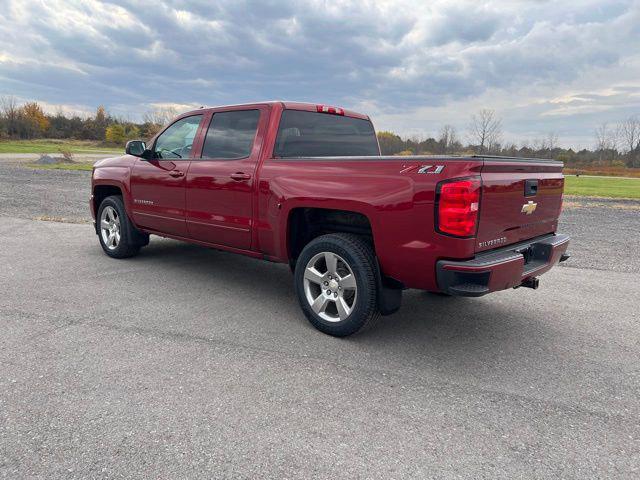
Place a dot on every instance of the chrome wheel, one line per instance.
(330, 286)
(110, 227)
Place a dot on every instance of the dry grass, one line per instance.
(63, 166)
(570, 203)
(47, 218)
(604, 171)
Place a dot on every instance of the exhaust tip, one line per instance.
(532, 282)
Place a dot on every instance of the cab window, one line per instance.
(231, 134)
(177, 140)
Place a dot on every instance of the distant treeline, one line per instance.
(392, 144)
(616, 146)
(29, 121)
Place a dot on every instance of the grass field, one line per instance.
(64, 166)
(55, 146)
(602, 187)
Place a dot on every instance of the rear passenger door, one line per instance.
(220, 184)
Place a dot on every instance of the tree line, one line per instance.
(614, 145)
(29, 121)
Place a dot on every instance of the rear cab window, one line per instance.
(314, 134)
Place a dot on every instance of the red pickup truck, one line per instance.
(306, 185)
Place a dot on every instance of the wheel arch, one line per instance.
(104, 187)
(304, 223)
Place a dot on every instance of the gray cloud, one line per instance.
(394, 56)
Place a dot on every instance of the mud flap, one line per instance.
(389, 294)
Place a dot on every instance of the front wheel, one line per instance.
(118, 237)
(335, 280)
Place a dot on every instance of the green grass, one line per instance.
(602, 187)
(55, 146)
(63, 166)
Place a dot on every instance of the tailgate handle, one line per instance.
(530, 188)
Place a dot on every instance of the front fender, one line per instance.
(114, 176)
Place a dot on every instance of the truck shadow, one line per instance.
(426, 324)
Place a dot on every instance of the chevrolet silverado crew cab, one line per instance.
(306, 185)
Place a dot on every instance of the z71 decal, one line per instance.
(431, 169)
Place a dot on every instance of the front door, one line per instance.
(220, 184)
(158, 184)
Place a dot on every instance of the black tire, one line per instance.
(131, 239)
(358, 254)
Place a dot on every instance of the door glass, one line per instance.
(177, 140)
(231, 134)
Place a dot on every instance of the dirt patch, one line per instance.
(589, 202)
(47, 218)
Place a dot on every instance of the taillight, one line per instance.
(328, 109)
(457, 205)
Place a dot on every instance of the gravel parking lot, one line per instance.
(189, 362)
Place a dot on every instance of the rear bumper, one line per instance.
(501, 269)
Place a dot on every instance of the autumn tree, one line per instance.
(35, 121)
(390, 143)
(119, 134)
(100, 123)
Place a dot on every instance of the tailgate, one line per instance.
(521, 199)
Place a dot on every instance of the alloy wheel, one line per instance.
(110, 227)
(330, 286)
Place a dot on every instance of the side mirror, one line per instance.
(135, 147)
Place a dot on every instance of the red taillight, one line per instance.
(327, 109)
(457, 207)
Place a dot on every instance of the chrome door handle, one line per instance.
(176, 173)
(240, 176)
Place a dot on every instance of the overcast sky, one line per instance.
(413, 65)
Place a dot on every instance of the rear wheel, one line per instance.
(118, 237)
(335, 280)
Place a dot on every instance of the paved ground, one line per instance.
(187, 362)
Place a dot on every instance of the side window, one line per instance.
(231, 134)
(177, 140)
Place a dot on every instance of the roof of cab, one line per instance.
(288, 105)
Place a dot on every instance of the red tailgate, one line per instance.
(521, 199)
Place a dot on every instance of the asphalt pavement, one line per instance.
(187, 362)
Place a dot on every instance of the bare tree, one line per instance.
(155, 119)
(552, 141)
(629, 132)
(605, 139)
(485, 130)
(10, 113)
(160, 116)
(448, 139)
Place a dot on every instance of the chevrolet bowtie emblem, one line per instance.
(529, 207)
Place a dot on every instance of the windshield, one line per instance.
(311, 134)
